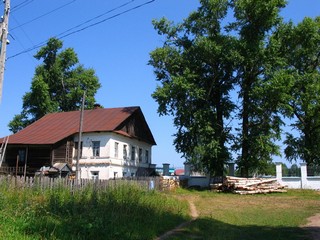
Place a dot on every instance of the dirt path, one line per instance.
(194, 215)
(313, 226)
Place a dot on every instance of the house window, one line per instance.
(133, 153)
(96, 148)
(22, 155)
(140, 154)
(147, 156)
(94, 175)
(125, 152)
(76, 149)
(116, 149)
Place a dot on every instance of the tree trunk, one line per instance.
(245, 131)
(221, 136)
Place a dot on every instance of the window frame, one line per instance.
(133, 153)
(125, 152)
(96, 148)
(95, 175)
(140, 154)
(147, 156)
(116, 150)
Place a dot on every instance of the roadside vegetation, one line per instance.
(121, 212)
(130, 212)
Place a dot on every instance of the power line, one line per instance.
(43, 15)
(96, 17)
(20, 25)
(21, 5)
(23, 31)
(82, 29)
(57, 36)
(106, 19)
(22, 45)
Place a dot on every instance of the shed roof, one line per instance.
(54, 127)
(63, 167)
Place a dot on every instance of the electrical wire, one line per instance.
(22, 45)
(106, 19)
(21, 5)
(82, 29)
(57, 36)
(96, 17)
(23, 31)
(43, 15)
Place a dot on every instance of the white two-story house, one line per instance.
(115, 143)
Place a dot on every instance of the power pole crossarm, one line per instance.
(4, 41)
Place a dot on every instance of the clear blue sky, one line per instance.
(118, 49)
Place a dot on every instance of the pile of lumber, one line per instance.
(168, 183)
(252, 185)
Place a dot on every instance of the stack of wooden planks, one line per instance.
(252, 185)
(169, 183)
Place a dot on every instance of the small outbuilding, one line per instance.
(60, 170)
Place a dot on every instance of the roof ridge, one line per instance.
(55, 126)
(91, 110)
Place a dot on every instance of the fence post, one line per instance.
(303, 175)
(187, 170)
(166, 169)
(279, 171)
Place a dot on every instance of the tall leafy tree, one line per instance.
(260, 123)
(58, 85)
(297, 87)
(201, 62)
(195, 69)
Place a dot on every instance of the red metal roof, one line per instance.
(56, 126)
(179, 172)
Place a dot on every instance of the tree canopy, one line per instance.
(228, 84)
(297, 87)
(57, 86)
(195, 68)
(259, 120)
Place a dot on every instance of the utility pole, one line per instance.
(4, 27)
(80, 139)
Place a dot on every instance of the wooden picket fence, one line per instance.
(46, 183)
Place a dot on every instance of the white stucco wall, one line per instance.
(304, 182)
(108, 165)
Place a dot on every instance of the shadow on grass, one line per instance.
(216, 230)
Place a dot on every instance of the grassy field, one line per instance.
(123, 212)
(256, 217)
(129, 212)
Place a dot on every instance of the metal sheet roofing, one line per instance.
(56, 126)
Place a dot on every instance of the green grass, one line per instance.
(129, 212)
(123, 212)
(256, 217)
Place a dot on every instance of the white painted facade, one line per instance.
(107, 155)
